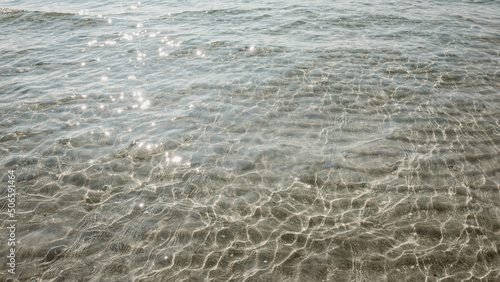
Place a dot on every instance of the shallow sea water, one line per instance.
(252, 140)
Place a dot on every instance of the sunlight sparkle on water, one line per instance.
(145, 105)
(127, 36)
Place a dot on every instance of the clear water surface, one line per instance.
(252, 140)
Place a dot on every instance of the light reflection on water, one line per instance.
(267, 141)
